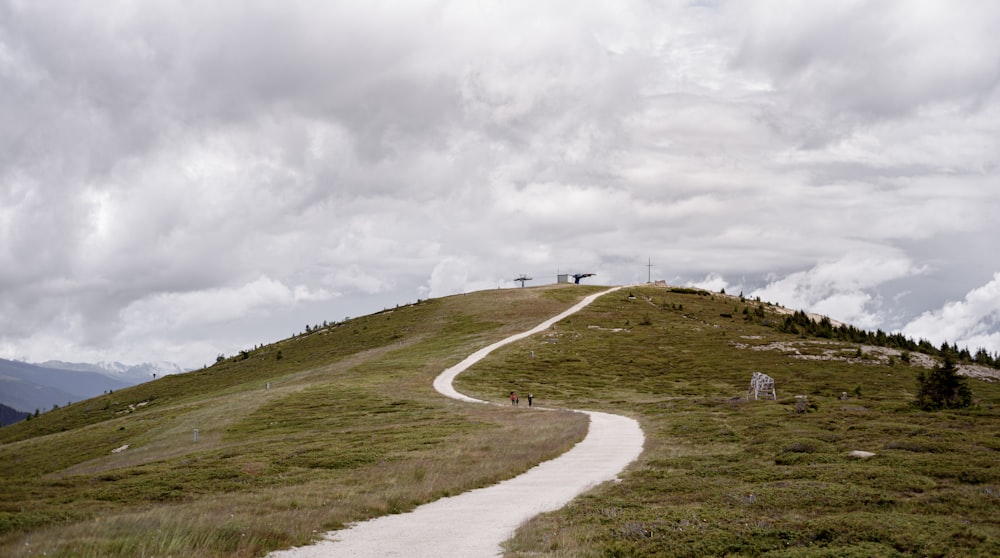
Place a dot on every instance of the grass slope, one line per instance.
(723, 476)
(342, 427)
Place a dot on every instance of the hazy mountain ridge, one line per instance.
(9, 415)
(132, 373)
(26, 387)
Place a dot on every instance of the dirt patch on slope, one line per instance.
(862, 354)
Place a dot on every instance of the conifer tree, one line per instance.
(943, 388)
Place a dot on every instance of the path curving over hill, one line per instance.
(475, 523)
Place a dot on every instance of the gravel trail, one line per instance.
(474, 524)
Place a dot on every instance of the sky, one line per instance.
(182, 179)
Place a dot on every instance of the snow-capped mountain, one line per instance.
(25, 387)
(130, 373)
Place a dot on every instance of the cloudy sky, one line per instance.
(180, 179)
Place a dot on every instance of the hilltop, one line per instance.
(341, 424)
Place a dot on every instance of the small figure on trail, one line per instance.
(530, 397)
(513, 398)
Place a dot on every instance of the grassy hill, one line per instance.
(725, 476)
(345, 425)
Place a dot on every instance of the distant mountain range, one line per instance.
(10, 416)
(26, 387)
(132, 373)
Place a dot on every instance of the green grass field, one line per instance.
(723, 476)
(351, 428)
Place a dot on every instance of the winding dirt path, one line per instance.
(475, 523)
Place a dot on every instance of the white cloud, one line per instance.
(271, 160)
(970, 322)
(840, 289)
(712, 282)
(218, 305)
(883, 60)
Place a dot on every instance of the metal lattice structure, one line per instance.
(761, 385)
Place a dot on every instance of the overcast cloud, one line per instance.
(180, 179)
